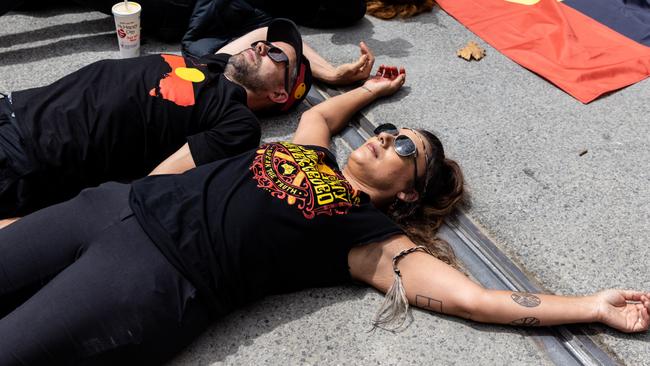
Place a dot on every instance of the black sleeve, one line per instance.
(237, 131)
(362, 225)
(215, 23)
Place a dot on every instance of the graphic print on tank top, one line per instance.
(300, 176)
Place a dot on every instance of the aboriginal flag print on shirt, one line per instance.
(119, 119)
(585, 47)
(299, 176)
(177, 86)
(278, 218)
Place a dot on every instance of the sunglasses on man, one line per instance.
(405, 147)
(277, 55)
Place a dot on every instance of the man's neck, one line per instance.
(252, 99)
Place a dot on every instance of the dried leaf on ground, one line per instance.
(472, 50)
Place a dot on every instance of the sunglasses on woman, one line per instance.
(405, 147)
(278, 56)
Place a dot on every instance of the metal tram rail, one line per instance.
(483, 260)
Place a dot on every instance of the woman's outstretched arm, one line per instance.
(433, 285)
(321, 122)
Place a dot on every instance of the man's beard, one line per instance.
(245, 74)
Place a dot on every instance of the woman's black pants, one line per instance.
(82, 283)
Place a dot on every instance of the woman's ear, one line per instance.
(278, 96)
(408, 196)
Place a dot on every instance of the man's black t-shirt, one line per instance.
(278, 218)
(118, 119)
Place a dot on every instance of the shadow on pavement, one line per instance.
(363, 31)
(43, 9)
(92, 43)
(58, 31)
(598, 330)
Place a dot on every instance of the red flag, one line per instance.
(571, 50)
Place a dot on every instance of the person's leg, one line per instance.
(120, 303)
(38, 246)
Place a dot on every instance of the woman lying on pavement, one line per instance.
(131, 273)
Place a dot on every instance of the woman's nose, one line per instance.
(385, 139)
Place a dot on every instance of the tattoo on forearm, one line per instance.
(428, 303)
(526, 322)
(524, 299)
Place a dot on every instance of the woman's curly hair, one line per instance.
(444, 189)
(389, 9)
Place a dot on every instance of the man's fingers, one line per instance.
(365, 50)
(360, 64)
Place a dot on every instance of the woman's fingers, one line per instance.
(393, 73)
(380, 71)
(645, 299)
(645, 317)
(631, 295)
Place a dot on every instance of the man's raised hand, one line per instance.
(355, 71)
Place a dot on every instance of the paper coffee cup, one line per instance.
(127, 25)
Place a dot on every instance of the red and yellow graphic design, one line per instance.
(299, 175)
(176, 86)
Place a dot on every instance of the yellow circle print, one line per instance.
(189, 74)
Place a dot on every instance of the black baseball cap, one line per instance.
(284, 30)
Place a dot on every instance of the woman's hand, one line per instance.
(386, 81)
(624, 310)
(355, 71)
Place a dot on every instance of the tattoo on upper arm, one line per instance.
(526, 322)
(428, 303)
(524, 299)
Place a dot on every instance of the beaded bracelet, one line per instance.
(406, 252)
